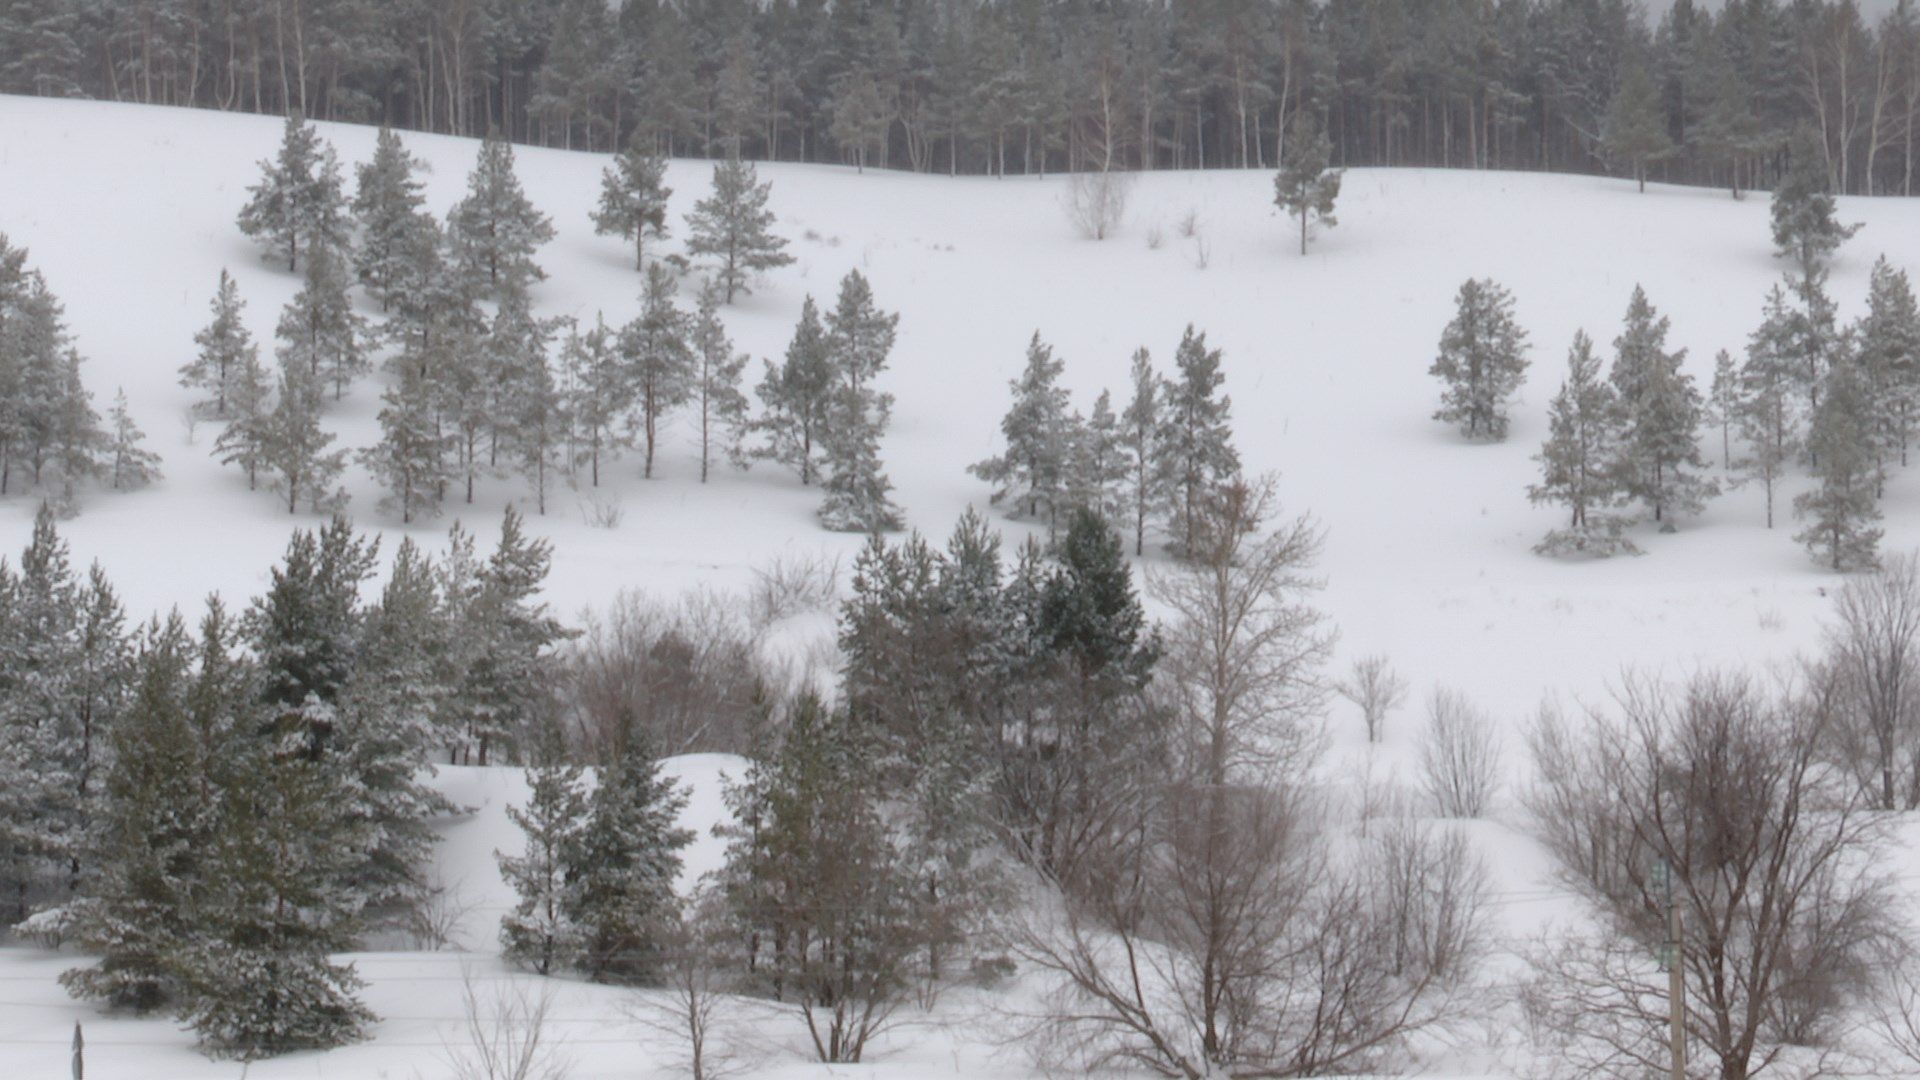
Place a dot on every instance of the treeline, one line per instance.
(1036, 85)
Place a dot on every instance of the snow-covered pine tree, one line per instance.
(539, 932)
(80, 450)
(716, 384)
(1482, 361)
(509, 670)
(633, 198)
(1194, 445)
(1723, 403)
(319, 328)
(1842, 515)
(860, 117)
(387, 204)
(1579, 462)
(299, 202)
(1660, 413)
(225, 346)
(1635, 127)
(797, 398)
(1727, 133)
(1307, 185)
(1816, 340)
(1140, 432)
(601, 394)
(1098, 464)
(1032, 471)
(1887, 343)
(1768, 418)
(410, 460)
(496, 228)
(516, 351)
(859, 339)
(292, 446)
(733, 225)
(659, 361)
(249, 411)
(1804, 227)
(132, 464)
(467, 384)
(620, 885)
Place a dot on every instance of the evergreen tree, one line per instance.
(133, 465)
(1482, 361)
(602, 394)
(243, 441)
(292, 447)
(319, 329)
(508, 674)
(1196, 458)
(733, 224)
(1767, 419)
(1140, 435)
(1728, 132)
(1033, 470)
(1804, 228)
(1660, 417)
(539, 422)
(633, 199)
(77, 447)
(1842, 514)
(859, 339)
(860, 117)
(621, 883)
(1098, 463)
(798, 398)
(1579, 461)
(1887, 341)
(1636, 125)
(496, 228)
(299, 202)
(1723, 403)
(716, 383)
(410, 461)
(539, 932)
(659, 360)
(1307, 185)
(225, 349)
(388, 205)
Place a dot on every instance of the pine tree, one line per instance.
(1768, 422)
(299, 202)
(1033, 470)
(496, 228)
(388, 207)
(539, 932)
(716, 383)
(633, 199)
(1482, 361)
(1723, 403)
(1196, 458)
(225, 349)
(539, 422)
(1098, 463)
(243, 441)
(602, 394)
(797, 397)
(506, 679)
(1660, 417)
(1307, 186)
(1842, 514)
(292, 447)
(1635, 130)
(134, 466)
(1887, 341)
(732, 226)
(79, 449)
(621, 883)
(410, 461)
(659, 360)
(1579, 461)
(1140, 435)
(319, 328)
(1804, 228)
(859, 340)
(1728, 132)
(860, 117)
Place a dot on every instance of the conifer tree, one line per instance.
(633, 199)
(243, 441)
(299, 202)
(1098, 463)
(1660, 411)
(797, 397)
(1635, 131)
(1768, 421)
(1033, 469)
(540, 423)
(225, 347)
(539, 932)
(319, 328)
(410, 461)
(1139, 435)
(1723, 403)
(1887, 342)
(133, 465)
(732, 225)
(77, 447)
(716, 383)
(859, 340)
(1482, 361)
(621, 883)
(292, 446)
(505, 680)
(1579, 461)
(1307, 185)
(388, 205)
(496, 228)
(1728, 132)
(602, 394)
(659, 361)
(1804, 227)
(1843, 513)
(1196, 458)
(860, 117)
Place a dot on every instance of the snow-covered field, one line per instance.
(129, 212)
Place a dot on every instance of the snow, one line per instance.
(129, 211)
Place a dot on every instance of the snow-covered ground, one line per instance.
(129, 212)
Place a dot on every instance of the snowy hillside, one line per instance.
(129, 212)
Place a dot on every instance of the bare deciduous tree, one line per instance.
(692, 1005)
(1459, 755)
(1097, 202)
(1873, 651)
(1376, 688)
(506, 1035)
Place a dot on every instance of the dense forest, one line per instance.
(1024, 86)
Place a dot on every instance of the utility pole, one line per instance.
(1676, 976)
(79, 1053)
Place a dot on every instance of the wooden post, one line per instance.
(79, 1053)
(1676, 981)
